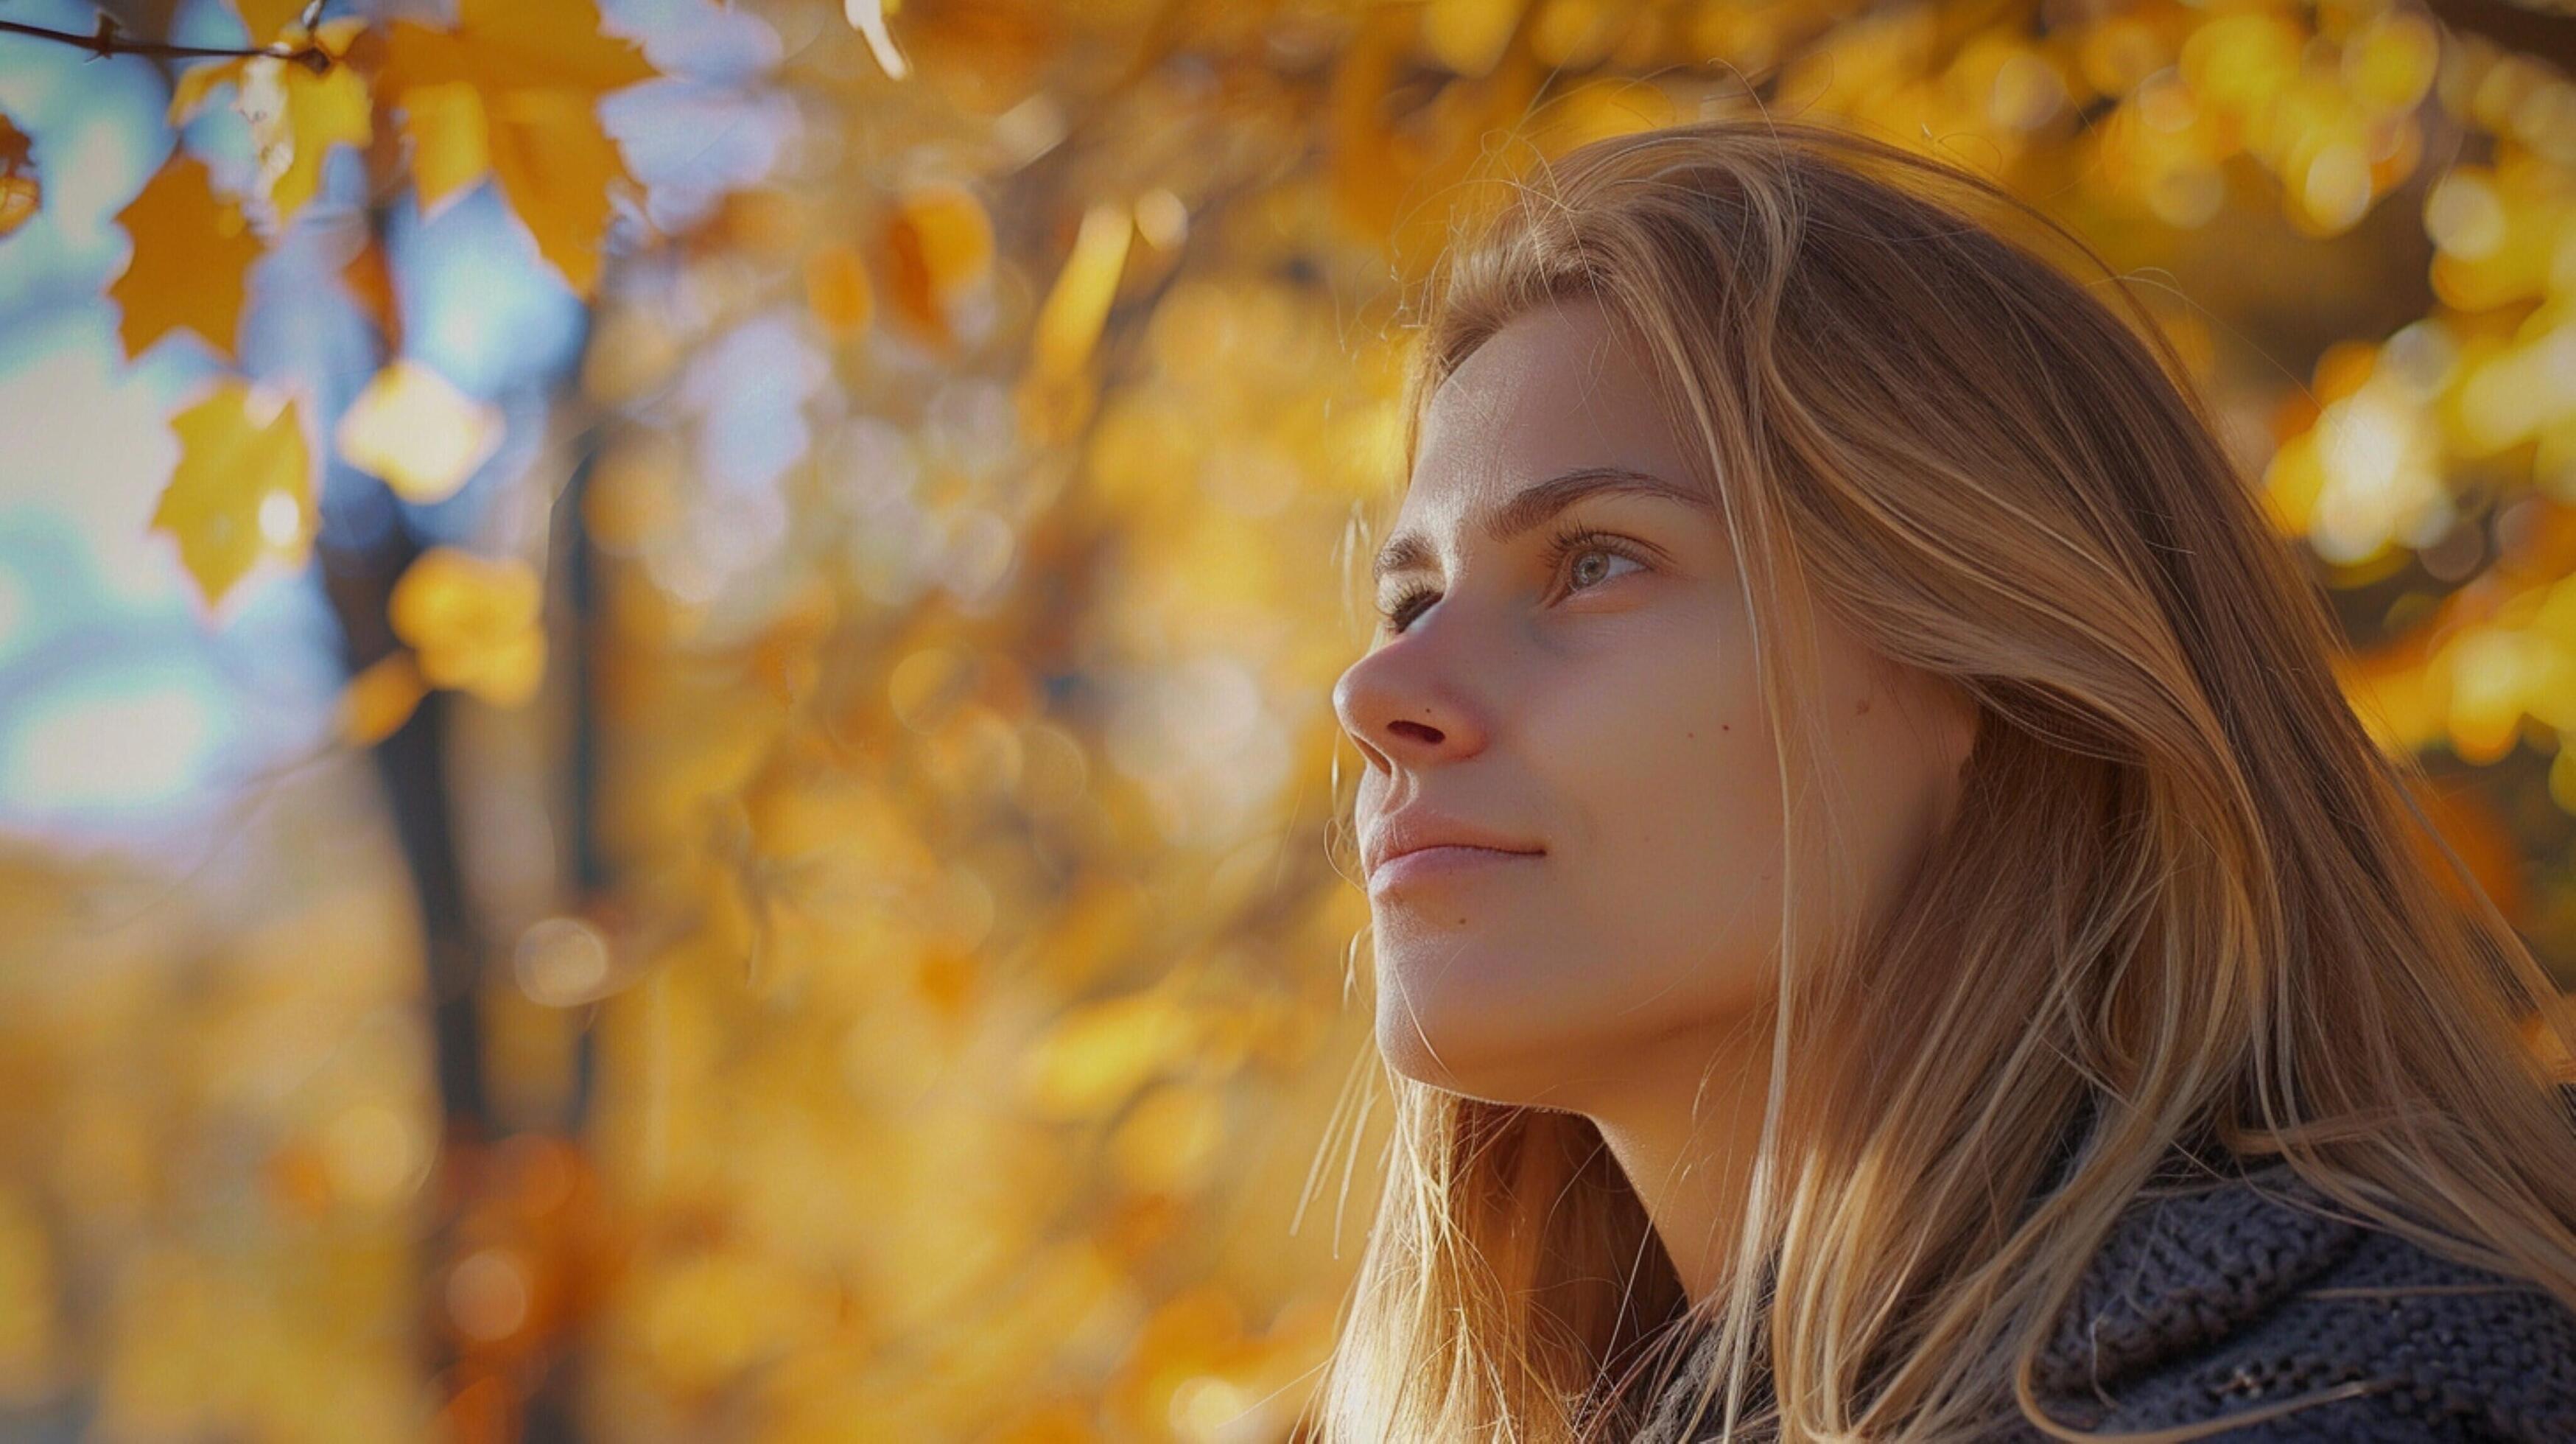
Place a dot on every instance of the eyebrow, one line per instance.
(1412, 551)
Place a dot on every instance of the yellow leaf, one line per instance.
(451, 141)
(502, 45)
(868, 17)
(267, 20)
(762, 221)
(295, 118)
(955, 237)
(473, 623)
(413, 428)
(938, 244)
(533, 75)
(555, 166)
(836, 289)
(1468, 36)
(1168, 1140)
(1070, 321)
(243, 488)
(295, 115)
(19, 190)
(1101, 1052)
(192, 252)
(197, 83)
(380, 699)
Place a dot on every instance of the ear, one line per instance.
(1971, 726)
(1964, 723)
(1955, 721)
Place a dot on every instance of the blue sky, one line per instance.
(127, 711)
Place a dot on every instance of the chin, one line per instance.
(1449, 1058)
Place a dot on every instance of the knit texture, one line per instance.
(2202, 1305)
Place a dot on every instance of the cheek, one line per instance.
(1680, 830)
(1666, 762)
(1682, 887)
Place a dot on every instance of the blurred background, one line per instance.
(666, 764)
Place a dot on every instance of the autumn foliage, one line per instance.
(810, 910)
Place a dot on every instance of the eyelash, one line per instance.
(1567, 541)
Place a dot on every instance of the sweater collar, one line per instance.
(2172, 1275)
(2178, 1272)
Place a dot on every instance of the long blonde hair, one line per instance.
(2225, 919)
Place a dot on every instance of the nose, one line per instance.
(1399, 710)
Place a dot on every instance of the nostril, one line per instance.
(1429, 733)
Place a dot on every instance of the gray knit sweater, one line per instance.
(2205, 1304)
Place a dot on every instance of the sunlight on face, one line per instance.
(1575, 689)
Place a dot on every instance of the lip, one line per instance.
(1421, 828)
(1442, 861)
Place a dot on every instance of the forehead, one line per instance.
(1557, 389)
(1552, 409)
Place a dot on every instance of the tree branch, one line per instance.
(108, 40)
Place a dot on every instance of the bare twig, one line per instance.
(109, 40)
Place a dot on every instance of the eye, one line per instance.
(1569, 543)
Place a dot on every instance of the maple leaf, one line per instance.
(837, 289)
(938, 245)
(513, 92)
(556, 165)
(192, 255)
(415, 430)
(19, 190)
(451, 141)
(473, 623)
(243, 488)
(295, 115)
(380, 699)
(267, 20)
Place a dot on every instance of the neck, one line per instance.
(1684, 1121)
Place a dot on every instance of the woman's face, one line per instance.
(1591, 706)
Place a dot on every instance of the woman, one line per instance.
(1885, 925)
